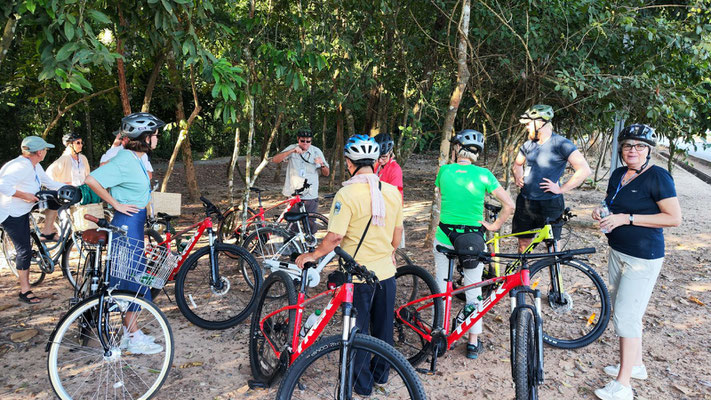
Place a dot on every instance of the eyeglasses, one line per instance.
(77, 142)
(304, 141)
(384, 156)
(637, 146)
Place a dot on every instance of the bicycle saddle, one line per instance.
(93, 236)
(167, 217)
(256, 189)
(293, 216)
(492, 208)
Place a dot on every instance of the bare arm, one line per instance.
(329, 242)
(284, 154)
(106, 196)
(325, 171)
(507, 209)
(582, 171)
(397, 237)
(669, 215)
(517, 169)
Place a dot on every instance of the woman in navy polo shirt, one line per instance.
(642, 200)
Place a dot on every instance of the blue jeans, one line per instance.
(375, 306)
(135, 224)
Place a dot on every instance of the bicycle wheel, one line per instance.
(231, 220)
(577, 309)
(524, 355)
(37, 274)
(315, 374)
(152, 238)
(401, 258)
(8, 252)
(319, 225)
(412, 283)
(73, 261)
(78, 366)
(269, 245)
(223, 303)
(278, 292)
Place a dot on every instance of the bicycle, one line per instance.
(422, 323)
(89, 351)
(208, 283)
(46, 255)
(577, 307)
(230, 226)
(275, 344)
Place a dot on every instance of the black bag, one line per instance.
(468, 243)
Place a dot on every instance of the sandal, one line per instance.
(25, 298)
(52, 237)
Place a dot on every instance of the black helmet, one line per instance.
(135, 124)
(470, 140)
(304, 132)
(385, 141)
(68, 194)
(641, 132)
(69, 138)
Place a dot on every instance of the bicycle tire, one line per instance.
(401, 258)
(278, 291)
(193, 284)
(71, 263)
(524, 355)
(77, 332)
(229, 223)
(268, 243)
(586, 307)
(303, 377)
(412, 283)
(8, 252)
(37, 274)
(319, 222)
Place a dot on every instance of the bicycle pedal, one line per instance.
(425, 371)
(257, 385)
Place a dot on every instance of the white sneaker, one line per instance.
(138, 343)
(126, 336)
(638, 371)
(615, 391)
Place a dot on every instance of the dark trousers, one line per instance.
(375, 307)
(18, 230)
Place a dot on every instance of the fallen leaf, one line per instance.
(6, 306)
(697, 301)
(23, 336)
(682, 389)
(191, 364)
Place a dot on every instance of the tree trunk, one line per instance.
(336, 156)
(183, 139)
(160, 59)
(231, 171)
(8, 34)
(88, 142)
(350, 121)
(454, 100)
(121, 69)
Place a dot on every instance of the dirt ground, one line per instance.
(215, 364)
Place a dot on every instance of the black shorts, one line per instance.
(532, 214)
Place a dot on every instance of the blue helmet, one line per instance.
(361, 147)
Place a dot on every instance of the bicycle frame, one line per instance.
(342, 295)
(509, 283)
(260, 216)
(202, 226)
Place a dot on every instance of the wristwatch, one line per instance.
(631, 219)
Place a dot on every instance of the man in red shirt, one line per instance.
(389, 170)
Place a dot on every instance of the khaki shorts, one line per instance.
(632, 281)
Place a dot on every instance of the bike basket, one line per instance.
(136, 262)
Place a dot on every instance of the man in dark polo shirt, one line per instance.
(540, 163)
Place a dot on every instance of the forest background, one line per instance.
(238, 78)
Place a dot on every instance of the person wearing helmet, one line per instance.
(305, 162)
(463, 187)
(71, 168)
(366, 221)
(124, 183)
(388, 169)
(20, 179)
(641, 199)
(537, 169)
(118, 143)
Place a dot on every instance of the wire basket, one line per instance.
(144, 264)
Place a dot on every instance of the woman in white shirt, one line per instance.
(20, 179)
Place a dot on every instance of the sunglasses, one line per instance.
(304, 140)
(77, 142)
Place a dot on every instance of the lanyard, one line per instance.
(620, 186)
(34, 171)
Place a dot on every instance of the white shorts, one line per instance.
(632, 281)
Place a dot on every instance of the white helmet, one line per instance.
(361, 147)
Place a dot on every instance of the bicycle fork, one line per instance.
(215, 280)
(347, 356)
(518, 303)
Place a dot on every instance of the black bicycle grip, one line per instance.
(345, 256)
(587, 250)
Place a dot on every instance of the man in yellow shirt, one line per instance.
(365, 202)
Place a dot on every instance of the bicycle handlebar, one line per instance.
(303, 188)
(354, 268)
(210, 208)
(104, 224)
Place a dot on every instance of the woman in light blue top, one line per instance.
(124, 183)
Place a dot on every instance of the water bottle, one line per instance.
(146, 279)
(463, 314)
(604, 212)
(310, 322)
